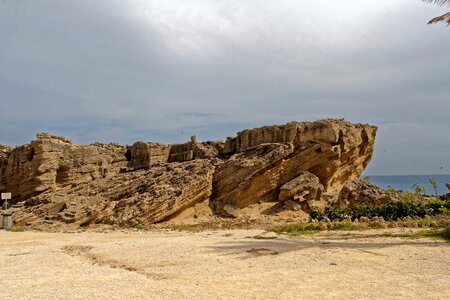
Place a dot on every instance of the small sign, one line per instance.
(6, 196)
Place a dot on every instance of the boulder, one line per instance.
(448, 186)
(358, 191)
(229, 211)
(306, 186)
(292, 205)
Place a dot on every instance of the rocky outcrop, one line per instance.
(159, 193)
(143, 155)
(127, 199)
(251, 176)
(195, 150)
(267, 158)
(62, 182)
(358, 191)
(4, 152)
(51, 162)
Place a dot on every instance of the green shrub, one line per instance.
(140, 227)
(391, 191)
(437, 206)
(418, 189)
(390, 211)
(393, 210)
(335, 213)
(17, 229)
(342, 225)
(435, 234)
(364, 210)
(295, 229)
(434, 184)
(316, 213)
(445, 197)
(408, 196)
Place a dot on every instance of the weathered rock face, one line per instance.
(267, 158)
(358, 191)
(195, 150)
(251, 176)
(305, 186)
(142, 154)
(159, 193)
(150, 182)
(51, 162)
(4, 151)
(127, 199)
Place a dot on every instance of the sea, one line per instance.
(405, 182)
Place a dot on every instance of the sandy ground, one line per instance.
(216, 265)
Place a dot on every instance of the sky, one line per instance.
(129, 70)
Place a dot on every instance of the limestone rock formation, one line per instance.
(305, 186)
(195, 150)
(159, 193)
(358, 191)
(292, 205)
(4, 152)
(127, 199)
(267, 158)
(251, 176)
(51, 162)
(80, 185)
(142, 154)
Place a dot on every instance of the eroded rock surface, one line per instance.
(51, 162)
(306, 186)
(358, 191)
(143, 154)
(62, 182)
(267, 158)
(128, 199)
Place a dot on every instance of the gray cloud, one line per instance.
(164, 70)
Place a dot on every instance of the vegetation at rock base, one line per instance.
(310, 228)
(435, 234)
(390, 211)
(17, 229)
(420, 190)
(297, 229)
(411, 211)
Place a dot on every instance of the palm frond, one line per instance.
(438, 2)
(444, 18)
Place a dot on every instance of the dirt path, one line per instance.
(216, 265)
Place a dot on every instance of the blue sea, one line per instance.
(404, 182)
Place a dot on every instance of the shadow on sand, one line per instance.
(358, 242)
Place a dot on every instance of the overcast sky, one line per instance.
(123, 70)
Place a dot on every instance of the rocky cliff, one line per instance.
(51, 162)
(56, 180)
(266, 158)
